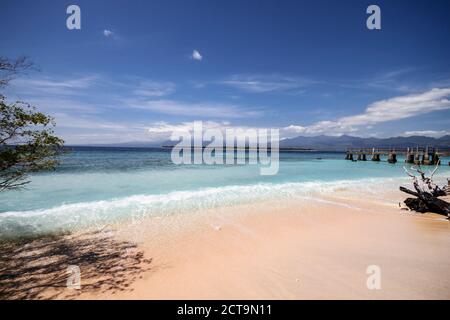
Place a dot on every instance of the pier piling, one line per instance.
(375, 156)
(392, 157)
(416, 155)
(417, 158)
(436, 159)
(409, 158)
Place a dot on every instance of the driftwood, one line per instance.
(447, 188)
(426, 193)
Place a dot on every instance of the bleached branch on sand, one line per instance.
(426, 193)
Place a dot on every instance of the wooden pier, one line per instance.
(418, 155)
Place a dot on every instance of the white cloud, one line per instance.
(77, 83)
(154, 89)
(396, 108)
(203, 109)
(165, 127)
(86, 99)
(88, 130)
(55, 104)
(54, 86)
(267, 83)
(394, 80)
(402, 107)
(381, 111)
(49, 87)
(64, 120)
(163, 130)
(293, 130)
(108, 33)
(427, 133)
(196, 55)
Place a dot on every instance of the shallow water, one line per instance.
(102, 185)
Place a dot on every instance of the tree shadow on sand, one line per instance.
(38, 268)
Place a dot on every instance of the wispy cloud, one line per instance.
(201, 110)
(196, 55)
(98, 95)
(396, 108)
(91, 85)
(65, 120)
(154, 89)
(47, 85)
(84, 102)
(389, 80)
(58, 104)
(427, 133)
(267, 83)
(403, 80)
(76, 129)
(163, 130)
(166, 127)
(378, 112)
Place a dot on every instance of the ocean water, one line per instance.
(94, 186)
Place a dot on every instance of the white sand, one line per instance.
(293, 249)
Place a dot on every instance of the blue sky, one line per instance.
(139, 69)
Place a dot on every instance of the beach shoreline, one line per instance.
(289, 249)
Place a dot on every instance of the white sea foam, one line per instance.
(80, 215)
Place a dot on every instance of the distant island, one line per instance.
(281, 148)
(321, 143)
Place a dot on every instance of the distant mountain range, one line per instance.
(328, 143)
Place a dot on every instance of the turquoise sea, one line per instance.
(103, 185)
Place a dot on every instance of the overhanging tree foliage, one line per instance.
(27, 140)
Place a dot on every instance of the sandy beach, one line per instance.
(225, 150)
(298, 249)
(293, 251)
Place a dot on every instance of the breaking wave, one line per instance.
(68, 217)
